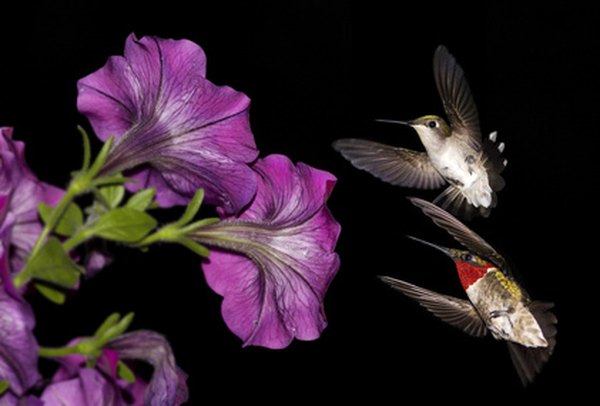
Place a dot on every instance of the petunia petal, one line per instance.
(89, 388)
(20, 194)
(176, 130)
(288, 194)
(95, 261)
(9, 399)
(18, 347)
(167, 386)
(278, 260)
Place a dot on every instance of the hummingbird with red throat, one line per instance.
(496, 302)
(455, 153)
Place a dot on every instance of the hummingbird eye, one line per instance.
(468, 257)
(432, 124)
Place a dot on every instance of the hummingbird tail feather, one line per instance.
(454, 201)
(529, 361)
(495, 162)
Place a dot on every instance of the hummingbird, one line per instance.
(455, 153)
(496, 302)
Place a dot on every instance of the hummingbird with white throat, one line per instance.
(496, 302)
(455, 153)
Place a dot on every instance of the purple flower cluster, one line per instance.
(272, 253)
(178, 132)
(73, 384)
(20, 193)
(77, 384)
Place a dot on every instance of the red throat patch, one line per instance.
(469, 273)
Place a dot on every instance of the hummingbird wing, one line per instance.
(461, 233)
(529, 361)
(398, 166)
(456, 97)
(456, 312)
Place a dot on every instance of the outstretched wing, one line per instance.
(461, 233)
(456, 97)
(529, 361)
(456, 312)
(398, 166)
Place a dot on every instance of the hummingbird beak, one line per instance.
(380, 120)
(445, 250)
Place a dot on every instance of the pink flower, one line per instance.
(276, 259)
(174, 130)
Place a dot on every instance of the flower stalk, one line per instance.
(83, 181)
(114, 326)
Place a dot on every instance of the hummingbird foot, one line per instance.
(500, 324)
(500, 313)
(517, 325)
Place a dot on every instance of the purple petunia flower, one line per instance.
(174, 130)
(20, 193)
(88, 388)
(18, 347)
(278, 256)
(75, 384)
(167, 385)
(8, 399)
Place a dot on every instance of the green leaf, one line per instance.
(100, 159)
(125, 372)
(117, 329)
(52, 264)
(52, 294)
(107, 324)
(70, 221)
(4, 385)
(87, 150)
(124, 224)
(126, 322)
(194, 246)
(112, 195)
(141, 200)
(191, 209)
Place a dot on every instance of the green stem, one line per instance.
(78, 185)
(55, 217)
(76, 240)
(174, 232)
(48, 352)
(81, 183)
(168, 233)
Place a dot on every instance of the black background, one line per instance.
(318, 71)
